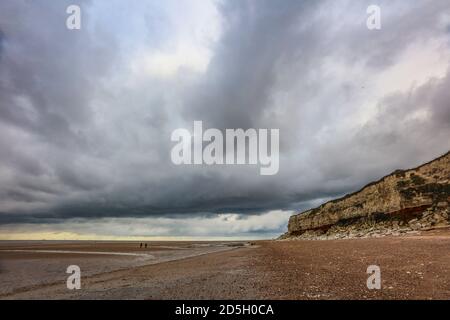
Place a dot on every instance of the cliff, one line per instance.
(404, 201)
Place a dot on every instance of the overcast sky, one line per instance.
(86, 115)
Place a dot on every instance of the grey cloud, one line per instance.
(238, 84)
(84, 138)
(229, 225)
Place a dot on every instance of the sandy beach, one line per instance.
(412, 267)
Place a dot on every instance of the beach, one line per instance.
(412, 267)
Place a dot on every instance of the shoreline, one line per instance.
(412, 267)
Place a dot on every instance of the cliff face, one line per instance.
(408, 200)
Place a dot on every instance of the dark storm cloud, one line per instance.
(239, 81)
(84, 137)
(48, 73)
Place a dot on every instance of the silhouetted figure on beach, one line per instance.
(145, 246)
(141, 245)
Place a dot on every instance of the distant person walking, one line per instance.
(145, 246)
(141, 245)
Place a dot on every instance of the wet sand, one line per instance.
(29, 265)
(412, 267)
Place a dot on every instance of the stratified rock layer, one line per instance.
(403, 201)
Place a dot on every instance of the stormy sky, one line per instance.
(86, 115)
